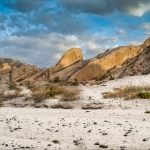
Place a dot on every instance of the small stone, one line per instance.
(103, 146)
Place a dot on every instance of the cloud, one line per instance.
(43, 51)
(22, 5)
(47, 50)
(38, 30)
(29, 24)
(100, 7)
(140, 10)
(146, 27)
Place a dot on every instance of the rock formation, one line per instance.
(72, 56)
(139, 65)
(97, 67)
(116, 63)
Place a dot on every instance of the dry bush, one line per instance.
(70, 95)
(51, 91)
(129, 92)
(62, 106)
(45, 92)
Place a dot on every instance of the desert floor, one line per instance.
(120, 125)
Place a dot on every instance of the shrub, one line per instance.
(41, 93)
(12, 86)
(50, 91)
(70, 95)
(144, 95)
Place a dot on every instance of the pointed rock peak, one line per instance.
(146, 42)
(72, 56)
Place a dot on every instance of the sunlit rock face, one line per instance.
(72, 56)
(146, 43)
(97, 67)
(139, 65)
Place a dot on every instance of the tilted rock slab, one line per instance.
(98, 67)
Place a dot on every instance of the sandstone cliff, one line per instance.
(139, 65)
(118, 62)
(72, 56)
(97, 67)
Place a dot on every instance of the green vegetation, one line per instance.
(12, 86)
(144, 95)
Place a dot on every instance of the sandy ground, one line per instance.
(120, 125)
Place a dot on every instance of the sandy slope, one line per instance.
(120, 125)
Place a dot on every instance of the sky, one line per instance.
(40, 31)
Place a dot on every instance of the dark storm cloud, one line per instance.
(33, 17)
(22, 5)
(101, 7)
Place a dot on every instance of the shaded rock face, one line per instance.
(72, 56)
(98, 67)
(140, 65)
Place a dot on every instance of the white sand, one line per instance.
(120, 125)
